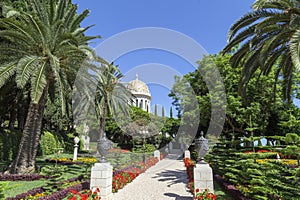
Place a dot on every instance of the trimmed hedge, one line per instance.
(256, 180)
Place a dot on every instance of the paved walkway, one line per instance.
(166, 180)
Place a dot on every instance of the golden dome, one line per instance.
(138, 87)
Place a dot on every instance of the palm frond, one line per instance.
(78, 19)
(295, 49)
(9, 24)
(59, 77)
(62, 5)
(272, 4)
(246, 21)
(25, 67)
(38, 82)
(7, 70)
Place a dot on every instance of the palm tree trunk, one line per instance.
(25, 160)
(103, 119)
(22, 111)
(13, 112)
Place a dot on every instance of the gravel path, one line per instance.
(166, 180)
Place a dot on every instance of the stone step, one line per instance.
(174, 156)
(175, 151)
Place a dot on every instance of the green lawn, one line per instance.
(118, 159)
(18, 187)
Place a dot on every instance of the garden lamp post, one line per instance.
(144, 132)
(76, 141)
(167, 146)
(86, 142)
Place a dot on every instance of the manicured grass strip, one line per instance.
(18, 187)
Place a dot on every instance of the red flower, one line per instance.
(74, 192)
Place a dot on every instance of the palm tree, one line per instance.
(111, 95)
(269, 37)
(41, 49)
(100, 92)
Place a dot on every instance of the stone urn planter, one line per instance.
(104, 144)
(202, 148)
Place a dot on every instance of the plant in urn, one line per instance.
(104, 144)
(202, 148)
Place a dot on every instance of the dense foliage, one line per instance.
(268, 39)
(41, 47)
(256, 175)
(259, 112)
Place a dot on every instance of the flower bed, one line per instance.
(259, 151)
(231, 189)
(190, 164)
(65, 192)
(84, 195)
(120, 179)
(69, 161)
(22, 177)
(30, 193)
(128, 174)
(40, 193)
(205, 195)
(290, 162)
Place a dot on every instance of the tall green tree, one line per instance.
(259, 102)
(41, 48)
(100, 94)
(269, 37)
(111, 94)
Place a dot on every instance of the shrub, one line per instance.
(292, 138)
(140, 148)
(9, 143)
(149, 148)
(55, 176)
(48, 143)
(256, 179)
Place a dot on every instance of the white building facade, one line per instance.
(141, 93)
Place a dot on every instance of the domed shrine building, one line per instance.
(141, 93)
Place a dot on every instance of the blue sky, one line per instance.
(205, 21)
